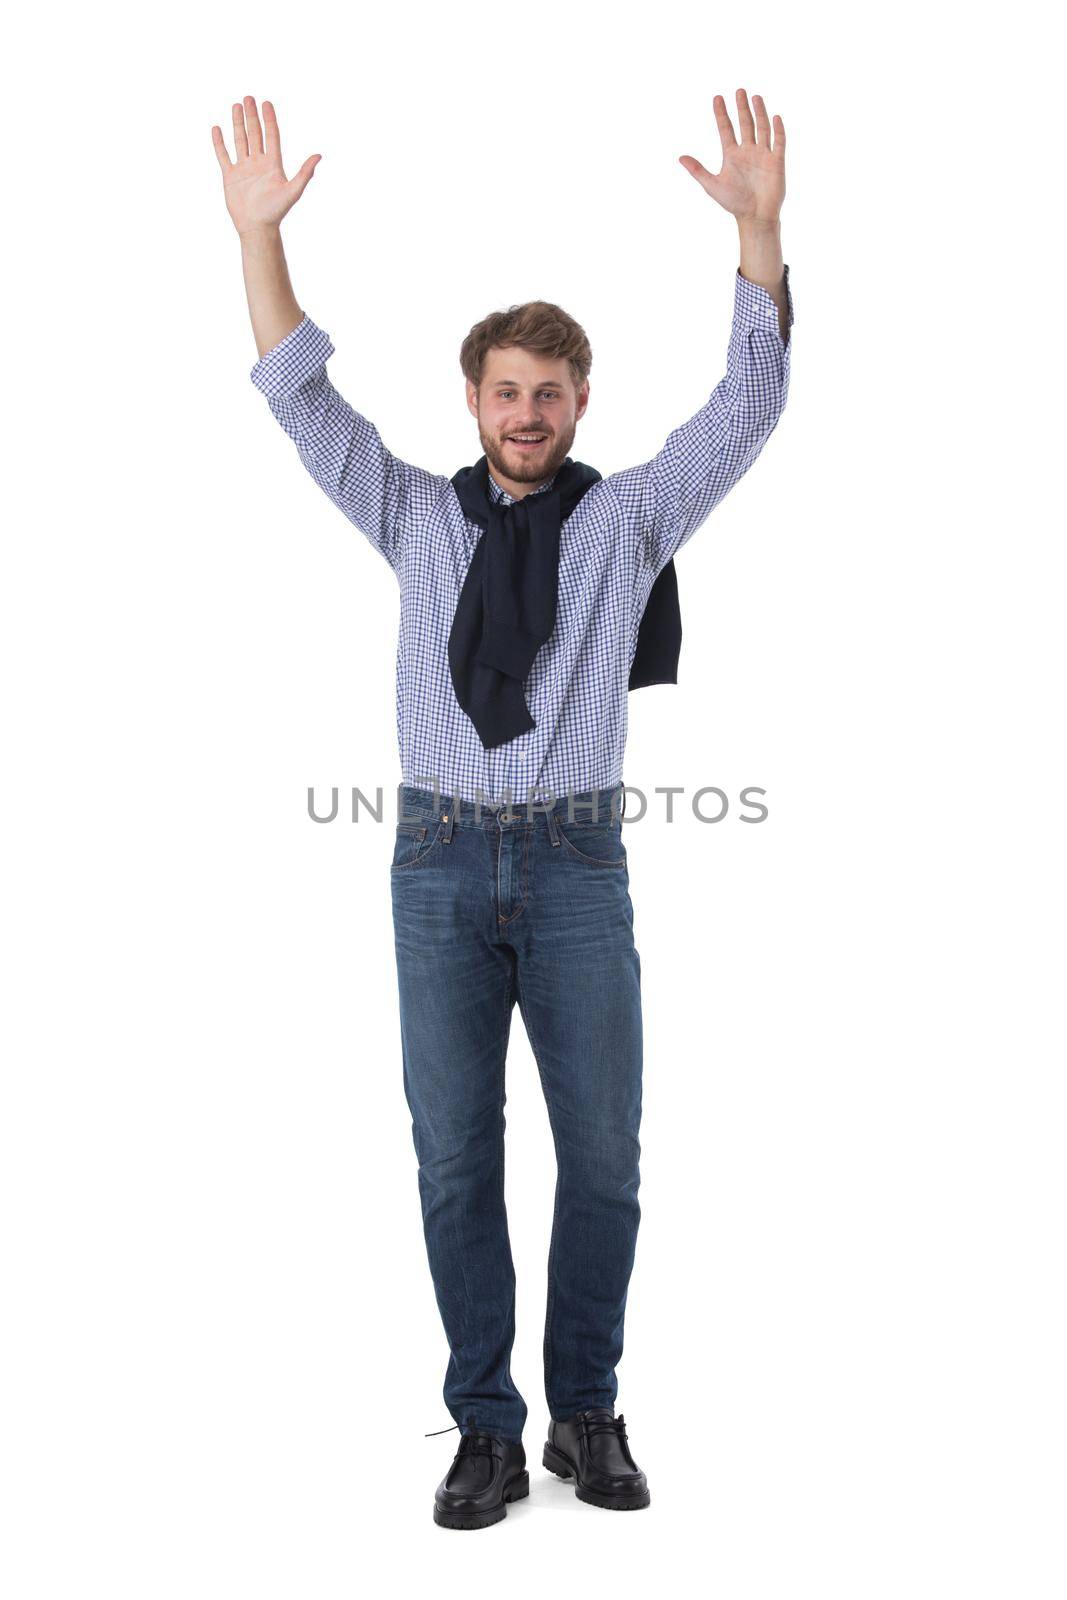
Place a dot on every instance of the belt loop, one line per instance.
(449, 820)
(553, 831)
(622, 813)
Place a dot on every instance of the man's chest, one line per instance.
(596, 568)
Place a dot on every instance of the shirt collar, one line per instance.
(497, 493)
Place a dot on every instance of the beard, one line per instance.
(527, 466)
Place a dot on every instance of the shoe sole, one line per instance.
(517, 1489)
(558, 1463)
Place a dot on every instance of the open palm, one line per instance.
(256, 190)
(751, 184)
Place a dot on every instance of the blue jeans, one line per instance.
(489, 909)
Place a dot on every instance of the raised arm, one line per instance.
(341, 449)
(258, 195)
(670, 496)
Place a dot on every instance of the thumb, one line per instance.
(708, 181)
(300, 180)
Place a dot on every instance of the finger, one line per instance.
(240, 138)
(744, 117)
(779, 136)
(300, 180)
(707, 180)
(220, 148)
(723, 123)
(763, 125)
(274, 138)
(255, 132)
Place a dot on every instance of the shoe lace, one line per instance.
(471, 1444)
(592, 1425)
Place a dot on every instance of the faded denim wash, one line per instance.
(491, 909)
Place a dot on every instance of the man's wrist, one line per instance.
(761, 252)
(264, 236)
(759, 227)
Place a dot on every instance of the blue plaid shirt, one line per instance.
(617, 540)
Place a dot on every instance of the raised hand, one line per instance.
(255, 187)
(751, 184)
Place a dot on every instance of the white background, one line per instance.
(844, 1367)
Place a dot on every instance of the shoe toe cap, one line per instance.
(460, 1500)
(619, 1483)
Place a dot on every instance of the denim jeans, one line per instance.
(488, 910)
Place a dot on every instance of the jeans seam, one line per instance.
(593, 861)
(524, 886)
(547, 1348)
(417, 861)
(503, 1097)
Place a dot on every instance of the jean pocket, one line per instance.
(597, 844)
(413, 843)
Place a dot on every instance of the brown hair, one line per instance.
(538, 326)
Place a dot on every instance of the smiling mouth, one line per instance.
(527, 444)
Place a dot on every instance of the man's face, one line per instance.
(523, 393)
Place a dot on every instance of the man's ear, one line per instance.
(582, 401)
(472, 399)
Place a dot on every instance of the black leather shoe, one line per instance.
(487, 1473)
(591, 1448)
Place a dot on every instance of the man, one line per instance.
(534, 594)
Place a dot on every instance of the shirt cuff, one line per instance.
(283, 370)
(755, 305)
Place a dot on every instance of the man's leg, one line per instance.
(456, 997)
(579, 986)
